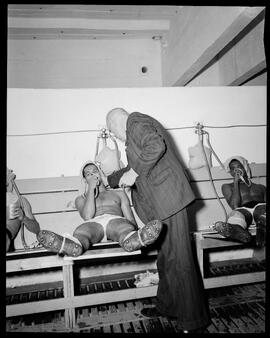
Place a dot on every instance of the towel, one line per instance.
(83, 184)
(242, 160)
(146, 279)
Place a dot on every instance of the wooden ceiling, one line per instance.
(89, 21)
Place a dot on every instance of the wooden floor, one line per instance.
(235, 309)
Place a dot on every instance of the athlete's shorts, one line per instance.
(13, 227)
(251, 209)
(236, 217)
(104, 220)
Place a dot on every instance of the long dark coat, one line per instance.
(162, 191)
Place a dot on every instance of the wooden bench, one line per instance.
(206, 211)
(50, 199)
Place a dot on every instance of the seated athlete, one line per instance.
(107, 215)
(248, 201)
(17, 214)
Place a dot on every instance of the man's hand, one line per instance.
(237, 174)
(10, 176)
(16, 212)
(128, 178)
(103, 178)
(92, 182)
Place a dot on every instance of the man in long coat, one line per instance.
(161, 190)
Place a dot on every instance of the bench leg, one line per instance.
(199, 250)
(68, 282)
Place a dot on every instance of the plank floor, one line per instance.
(235, 309)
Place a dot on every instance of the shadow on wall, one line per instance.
(191, 212)
(175, 149)
(199, 204)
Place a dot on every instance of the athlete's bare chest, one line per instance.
(107, 198)
(250, 193)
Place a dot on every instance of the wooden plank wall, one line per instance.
(51, 199)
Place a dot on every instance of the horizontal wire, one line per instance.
(55, 133)
(98, 130)
(230, 126)
(238, 125)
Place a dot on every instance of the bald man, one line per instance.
(161, 190)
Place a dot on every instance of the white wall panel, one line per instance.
(43, 110)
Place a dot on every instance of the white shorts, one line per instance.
(104, 220)
(251, 210)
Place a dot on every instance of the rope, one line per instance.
(97, 130)
(217, 158)
(22, 206)
(209, 171)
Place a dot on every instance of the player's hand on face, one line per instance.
(237, 174)
(17, 213)
(10, 176)
(92, 181)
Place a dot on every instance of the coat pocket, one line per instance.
(159, 178)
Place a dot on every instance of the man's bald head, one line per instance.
(116, 121)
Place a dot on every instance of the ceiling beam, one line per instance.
(94, 11)
(257, 69)
(81, 34)
(88, 23)
(215, 45)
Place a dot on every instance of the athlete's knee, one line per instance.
(7, 242)
(79, 231)
(116, 228)
(259, 211)
(93, 232)
(237, 217)
(244, 213)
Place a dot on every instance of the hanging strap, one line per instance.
(21, 206)
(104, 135)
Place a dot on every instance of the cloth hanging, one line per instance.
(196, 157)
(109, 160)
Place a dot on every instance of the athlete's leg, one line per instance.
(89, 233)
(129, 238)
(259, 215)
(85, 235)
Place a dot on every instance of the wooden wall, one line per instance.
(241, 60)
(49, 63)
(197, 46)
(214, 46)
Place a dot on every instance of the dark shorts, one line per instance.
(13, 227)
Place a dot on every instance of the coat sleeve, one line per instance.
(114, 178)
(149, 146)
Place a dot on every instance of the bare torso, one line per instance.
(108, 202)
(252, 195)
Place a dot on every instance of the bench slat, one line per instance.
(52, 202)
(103, 253)
(35, 263)
(60, 201)
(201, 174)
(63, 183)
(203, 213)
(48, 184)
(204, 189)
